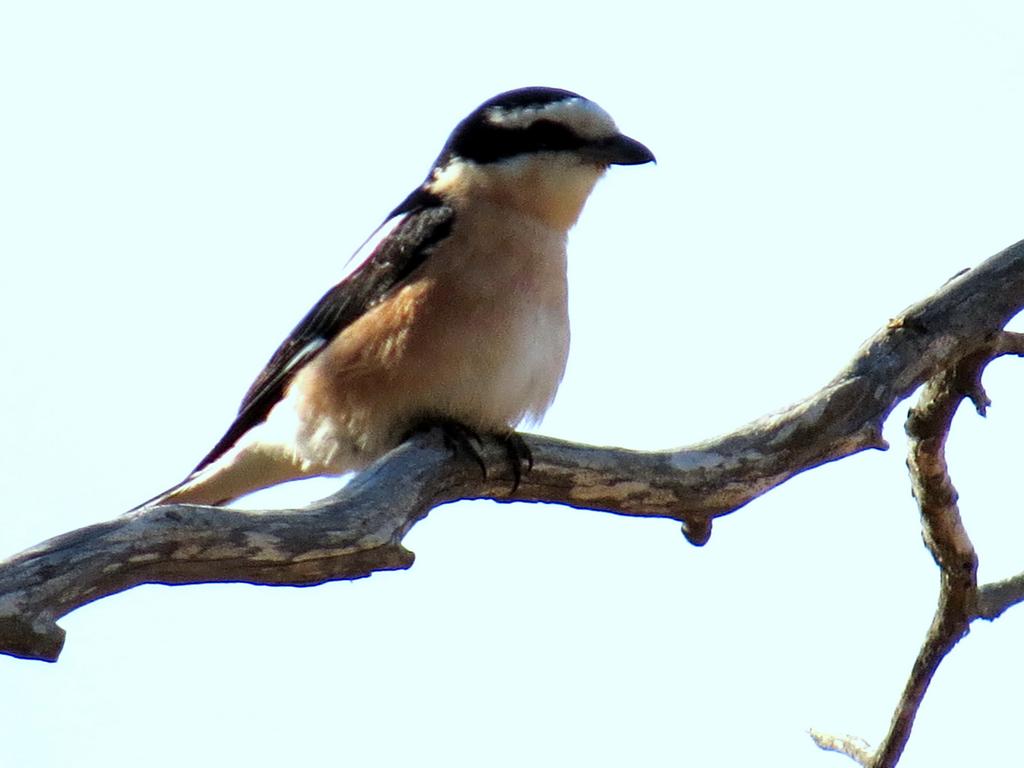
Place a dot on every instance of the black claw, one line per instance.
(458, 438)
(518, 453)
(461, 439)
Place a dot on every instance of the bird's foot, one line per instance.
(462, 439)
(458, 438)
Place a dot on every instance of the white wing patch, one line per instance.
(304, 354)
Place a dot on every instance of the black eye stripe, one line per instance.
(482, 141)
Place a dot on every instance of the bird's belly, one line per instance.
(502, 366)
(493, 337)
(486, 349)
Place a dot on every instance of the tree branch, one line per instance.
(928, 425)
(995, 598)
(944, 535)
(360, 529)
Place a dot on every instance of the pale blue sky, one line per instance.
(178, 182)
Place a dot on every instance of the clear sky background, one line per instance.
(180, 181)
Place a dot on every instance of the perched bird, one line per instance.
(457, 314)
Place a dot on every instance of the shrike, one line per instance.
(457, 314)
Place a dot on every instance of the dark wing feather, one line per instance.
(427, 221)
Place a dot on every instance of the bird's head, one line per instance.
(537, 150)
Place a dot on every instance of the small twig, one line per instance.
(995, 598)
(1008, 343)
(856, 749)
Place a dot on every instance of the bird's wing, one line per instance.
(416, 227)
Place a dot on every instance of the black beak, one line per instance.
(618, 150)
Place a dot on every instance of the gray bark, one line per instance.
(360, 529)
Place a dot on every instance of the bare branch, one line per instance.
(1008, 343)
(995, 598)
(359, 530)
(928, 426)
(854, 748)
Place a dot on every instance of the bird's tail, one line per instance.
(236, 474)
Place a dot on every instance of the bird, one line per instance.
(456, 313)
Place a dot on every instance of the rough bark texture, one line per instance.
(360, 529)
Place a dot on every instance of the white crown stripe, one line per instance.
(584, 117)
